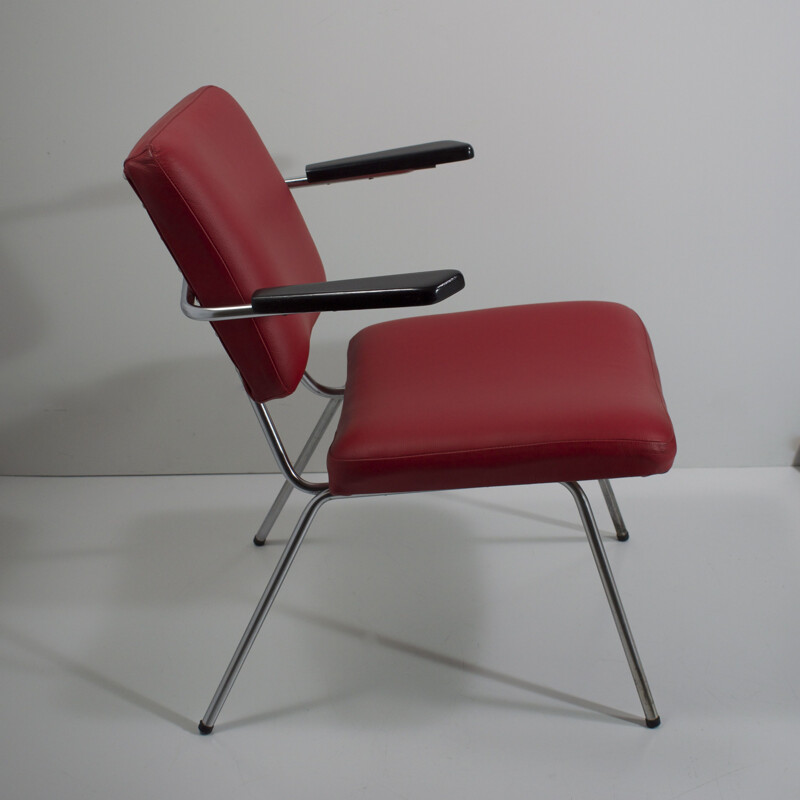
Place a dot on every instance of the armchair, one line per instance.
(553, 392)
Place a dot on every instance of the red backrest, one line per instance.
(229, 220)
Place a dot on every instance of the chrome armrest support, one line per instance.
(191, 309)
(302, 180)
(196, 312)
(378, 291)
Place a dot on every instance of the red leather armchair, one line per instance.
(556, 392)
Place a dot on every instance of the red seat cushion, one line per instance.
(524, 394)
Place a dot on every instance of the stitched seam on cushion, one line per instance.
(255, 327)
(659, 446)
(172, 118)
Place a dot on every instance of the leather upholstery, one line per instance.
(229, 220)
(524, 394)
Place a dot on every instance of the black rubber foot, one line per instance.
(205, 729)
(623, 536)
(653, 723)
(259, 544)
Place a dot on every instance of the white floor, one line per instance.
(452, 645)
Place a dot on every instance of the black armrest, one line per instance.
(385, 291)
(403, 159)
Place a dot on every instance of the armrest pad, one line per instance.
(385, 291)
(402, 159)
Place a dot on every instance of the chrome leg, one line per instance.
(302, 460)
(260, 538)
(628, 645)
(613, 510)
(262, 609)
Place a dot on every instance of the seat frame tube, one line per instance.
(279, 451)
(300, 464)
(618, 612)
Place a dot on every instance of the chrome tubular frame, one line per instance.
(321, 497)
(320, 389)
(293, 183)
(296, 183)
(618, 612)
(262, 609)
(279, 451)
(200, 313)
(334, 397)
(321, 494)
(300, 464)
(613, 510)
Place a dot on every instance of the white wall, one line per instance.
(641, 151)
